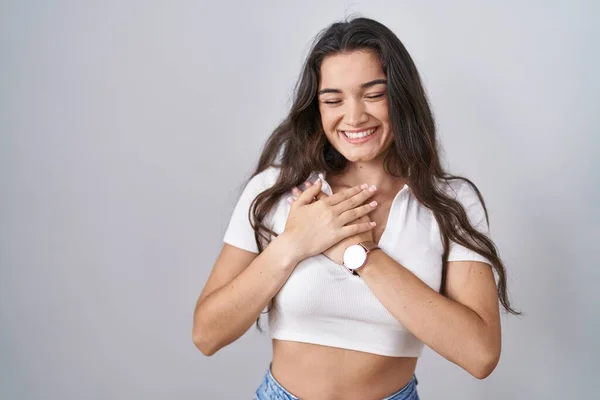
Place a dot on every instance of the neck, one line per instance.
(372, 173)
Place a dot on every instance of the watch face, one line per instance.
(354, 256)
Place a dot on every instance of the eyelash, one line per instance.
(368, 97)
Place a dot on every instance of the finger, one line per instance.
(291, 199)
(321, 195)
(355, 229)
(342, 195)
(356, 200)
(356, 213)
(311, 179)
(307, 196)
(304, 185)
(296, 191)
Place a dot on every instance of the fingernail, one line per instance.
(364, 186)
(372, 188)
(373, 203)
(373, 223)
(296, 191)
(291, 199)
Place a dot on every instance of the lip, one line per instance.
(361, 140)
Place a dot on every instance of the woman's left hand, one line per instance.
(336, 252)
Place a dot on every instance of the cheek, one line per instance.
(381, 112)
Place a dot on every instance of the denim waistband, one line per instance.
(271, 389)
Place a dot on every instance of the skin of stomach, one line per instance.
(312, 372)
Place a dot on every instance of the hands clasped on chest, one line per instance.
(318, 223)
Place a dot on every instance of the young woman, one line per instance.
(384, 254)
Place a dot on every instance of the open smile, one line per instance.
(361, 136)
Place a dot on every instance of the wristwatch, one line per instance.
(355, 256)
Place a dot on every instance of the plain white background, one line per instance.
(127, 129)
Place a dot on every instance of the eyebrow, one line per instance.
(363, 86)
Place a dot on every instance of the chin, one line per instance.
(360, 157)
(365, 155)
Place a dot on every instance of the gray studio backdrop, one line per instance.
(127, 129)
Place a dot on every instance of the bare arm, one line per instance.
(463, 327)
(240, 286)
(242, 283)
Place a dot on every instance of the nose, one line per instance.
(355, 113)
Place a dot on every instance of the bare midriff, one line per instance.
(315, 372)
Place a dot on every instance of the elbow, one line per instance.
(485, 365)
(203, 340)
(206, 347)
(201, 337)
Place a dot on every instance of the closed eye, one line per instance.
(371, 97)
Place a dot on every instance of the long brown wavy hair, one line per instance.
(301, 147)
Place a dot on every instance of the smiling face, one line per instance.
(353, 102)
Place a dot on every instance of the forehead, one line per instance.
(350, 70)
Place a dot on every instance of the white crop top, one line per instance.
(322, 303)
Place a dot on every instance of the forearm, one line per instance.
(227, 313)
(451, 329)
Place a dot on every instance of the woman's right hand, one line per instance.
(314, 226)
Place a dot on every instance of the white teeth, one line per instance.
(359, 135)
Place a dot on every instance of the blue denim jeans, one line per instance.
(270, 389)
